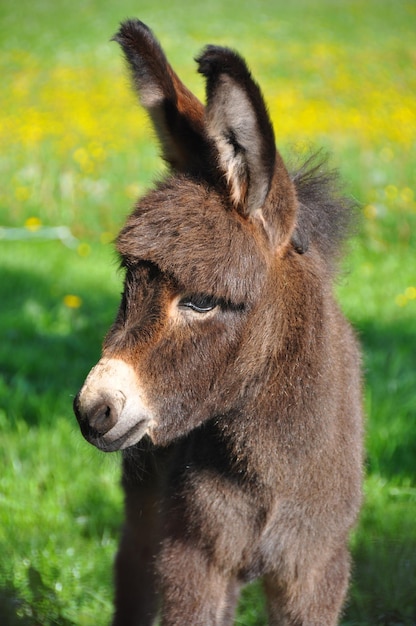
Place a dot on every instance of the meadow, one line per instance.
(75, 152)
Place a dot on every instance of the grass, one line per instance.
(76, 150)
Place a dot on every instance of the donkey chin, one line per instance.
(111, 408)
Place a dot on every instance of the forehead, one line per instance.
(189, 231)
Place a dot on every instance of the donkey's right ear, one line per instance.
(177, 115)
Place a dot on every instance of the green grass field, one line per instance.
(75, 152)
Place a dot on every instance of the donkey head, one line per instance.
(197, 252)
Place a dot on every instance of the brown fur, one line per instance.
(251, 461)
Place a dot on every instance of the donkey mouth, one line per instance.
(113, 441)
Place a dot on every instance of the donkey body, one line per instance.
(230, 379)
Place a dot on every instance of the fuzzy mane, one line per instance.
(326, 217)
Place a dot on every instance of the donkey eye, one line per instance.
(199, 303)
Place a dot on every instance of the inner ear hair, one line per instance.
(238, 123)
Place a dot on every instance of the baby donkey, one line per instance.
(229, 379)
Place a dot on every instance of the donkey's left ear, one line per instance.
(238, 123)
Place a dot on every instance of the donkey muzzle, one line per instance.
(110, 407)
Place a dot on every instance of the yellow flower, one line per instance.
(72, 302)
(410, 293)
(84, 249)
(106, 237)
(33, 223)
(132, 191)
(22, 193)
(407, 194)
(82, 157)
(401, 300)
(391, 192)
(370, 212)
(97, 151)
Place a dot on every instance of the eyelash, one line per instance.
(199, 303)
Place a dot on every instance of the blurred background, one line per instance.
(75, 152)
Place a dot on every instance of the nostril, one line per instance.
(96, 418)
(103, 417)
(98, 411)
